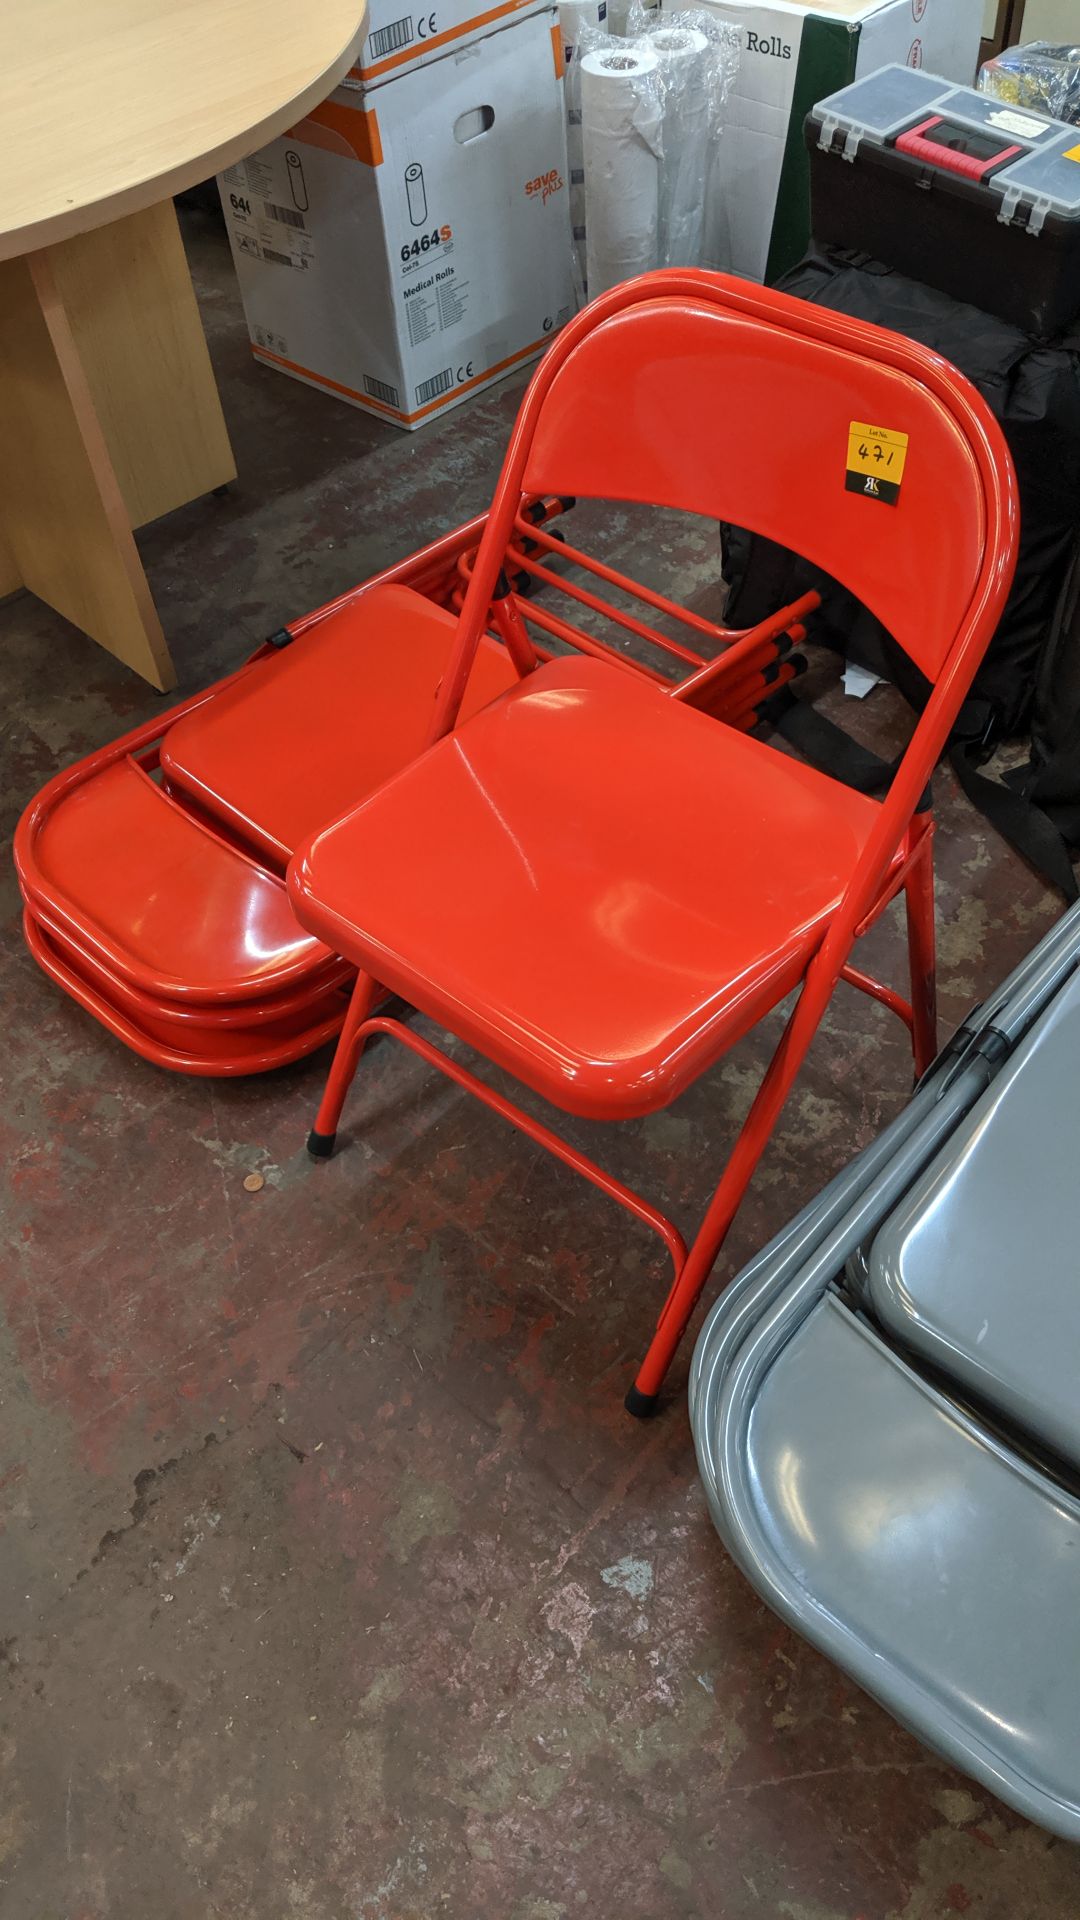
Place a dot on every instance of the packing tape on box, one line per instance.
(621, 125)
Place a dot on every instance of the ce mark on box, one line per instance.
(876, 460)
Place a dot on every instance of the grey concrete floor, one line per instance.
(334, 1581)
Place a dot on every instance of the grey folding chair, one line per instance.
(885, 1410)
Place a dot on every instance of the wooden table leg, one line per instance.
(135, 322)
(109, 417)
(10, 577)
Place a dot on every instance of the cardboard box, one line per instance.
(407, 246)
(396, 39)
(794, 53)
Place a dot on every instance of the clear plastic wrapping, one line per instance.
(699, 63)
(622, 141)
(619, 12)
(1041, 76)
(648, 105)
(578, 19)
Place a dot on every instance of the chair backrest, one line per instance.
(697, 391)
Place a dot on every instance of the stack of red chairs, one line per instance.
(516, 788)
(157, 899)
(153, 872)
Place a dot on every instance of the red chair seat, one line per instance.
(194, 1040)
(292, 743)
(598, 887)
(162, 902)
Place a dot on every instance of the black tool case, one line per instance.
(952, 187)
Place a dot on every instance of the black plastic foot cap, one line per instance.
(641, 1405)
(320, 1145)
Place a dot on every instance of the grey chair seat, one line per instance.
(919, 1552)
(978, 1269)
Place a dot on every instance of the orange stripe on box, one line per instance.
(437, 40)
(323, 380)
(356, 127)
(557, 44)
(381, 406)
(466, 386)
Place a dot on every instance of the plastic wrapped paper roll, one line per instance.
(621, 116)
(682, 53)
(577, 17)
(619, 12)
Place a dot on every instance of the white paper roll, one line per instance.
(679, 51)
(575, 18)
(621, 115)
(682, 53)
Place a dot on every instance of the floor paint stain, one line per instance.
(634, 1577)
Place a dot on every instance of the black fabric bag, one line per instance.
(1050, 782)
(1033, 388)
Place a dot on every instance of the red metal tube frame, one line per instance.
(544, 1136)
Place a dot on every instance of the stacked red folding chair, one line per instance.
(154, 893)
(589, 880)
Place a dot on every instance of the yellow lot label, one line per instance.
(878, 451)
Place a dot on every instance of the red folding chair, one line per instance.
(595, 883)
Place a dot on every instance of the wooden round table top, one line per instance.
(109, 106)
